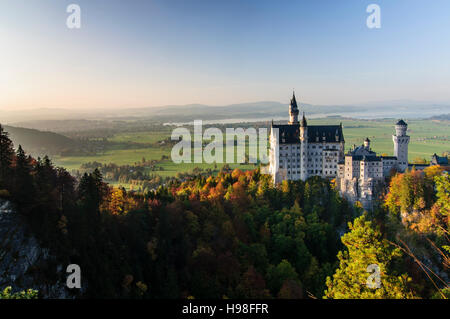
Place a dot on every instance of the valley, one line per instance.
(146, 144)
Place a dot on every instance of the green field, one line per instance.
(427, 137)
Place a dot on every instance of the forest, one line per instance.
(234, 234)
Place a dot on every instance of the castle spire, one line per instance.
(294, 101)
(303, 123)
(293, 110)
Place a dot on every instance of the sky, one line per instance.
(166, 52)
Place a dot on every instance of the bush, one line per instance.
(26, 294)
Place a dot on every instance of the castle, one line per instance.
(299, 150)
(362, 173)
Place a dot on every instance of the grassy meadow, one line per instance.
(427, 137)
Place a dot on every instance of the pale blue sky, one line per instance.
(148, 53)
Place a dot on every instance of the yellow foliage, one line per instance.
(120, 203)
(236, 173)
(142, 288)
(432, 171)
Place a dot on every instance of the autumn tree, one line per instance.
(252, 285)
(443, 194)
(410, 191)
(120, 203)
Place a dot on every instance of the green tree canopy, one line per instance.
(365, 246)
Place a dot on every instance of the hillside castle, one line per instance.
(299, 150)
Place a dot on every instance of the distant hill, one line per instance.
(60, 120)
(75, 125)
(256, 110)
(442, 117)
(38, 143)
(141, 117)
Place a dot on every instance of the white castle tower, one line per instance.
(303, 149)
(298, 150)
(367, 143)
(401, 141)
(293, 111)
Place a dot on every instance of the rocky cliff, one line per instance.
(23, 262)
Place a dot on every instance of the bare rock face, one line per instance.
(24, 263)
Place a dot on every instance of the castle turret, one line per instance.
(293, 110)
(401, 141)
(367, 143)
(274, 153)
(303, 149)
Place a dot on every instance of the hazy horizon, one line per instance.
(405, 102)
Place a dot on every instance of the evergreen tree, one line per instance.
(6, 158)
(365, 247)
(24, 190)
(91, 191)
(66, 188)
(279, 275)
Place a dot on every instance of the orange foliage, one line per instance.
(236, 173)
(239, 195)
(432, 171)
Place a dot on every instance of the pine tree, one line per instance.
(91, 191)
(366, 247)
(6, 158)
(66, 188)
(24, 190)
